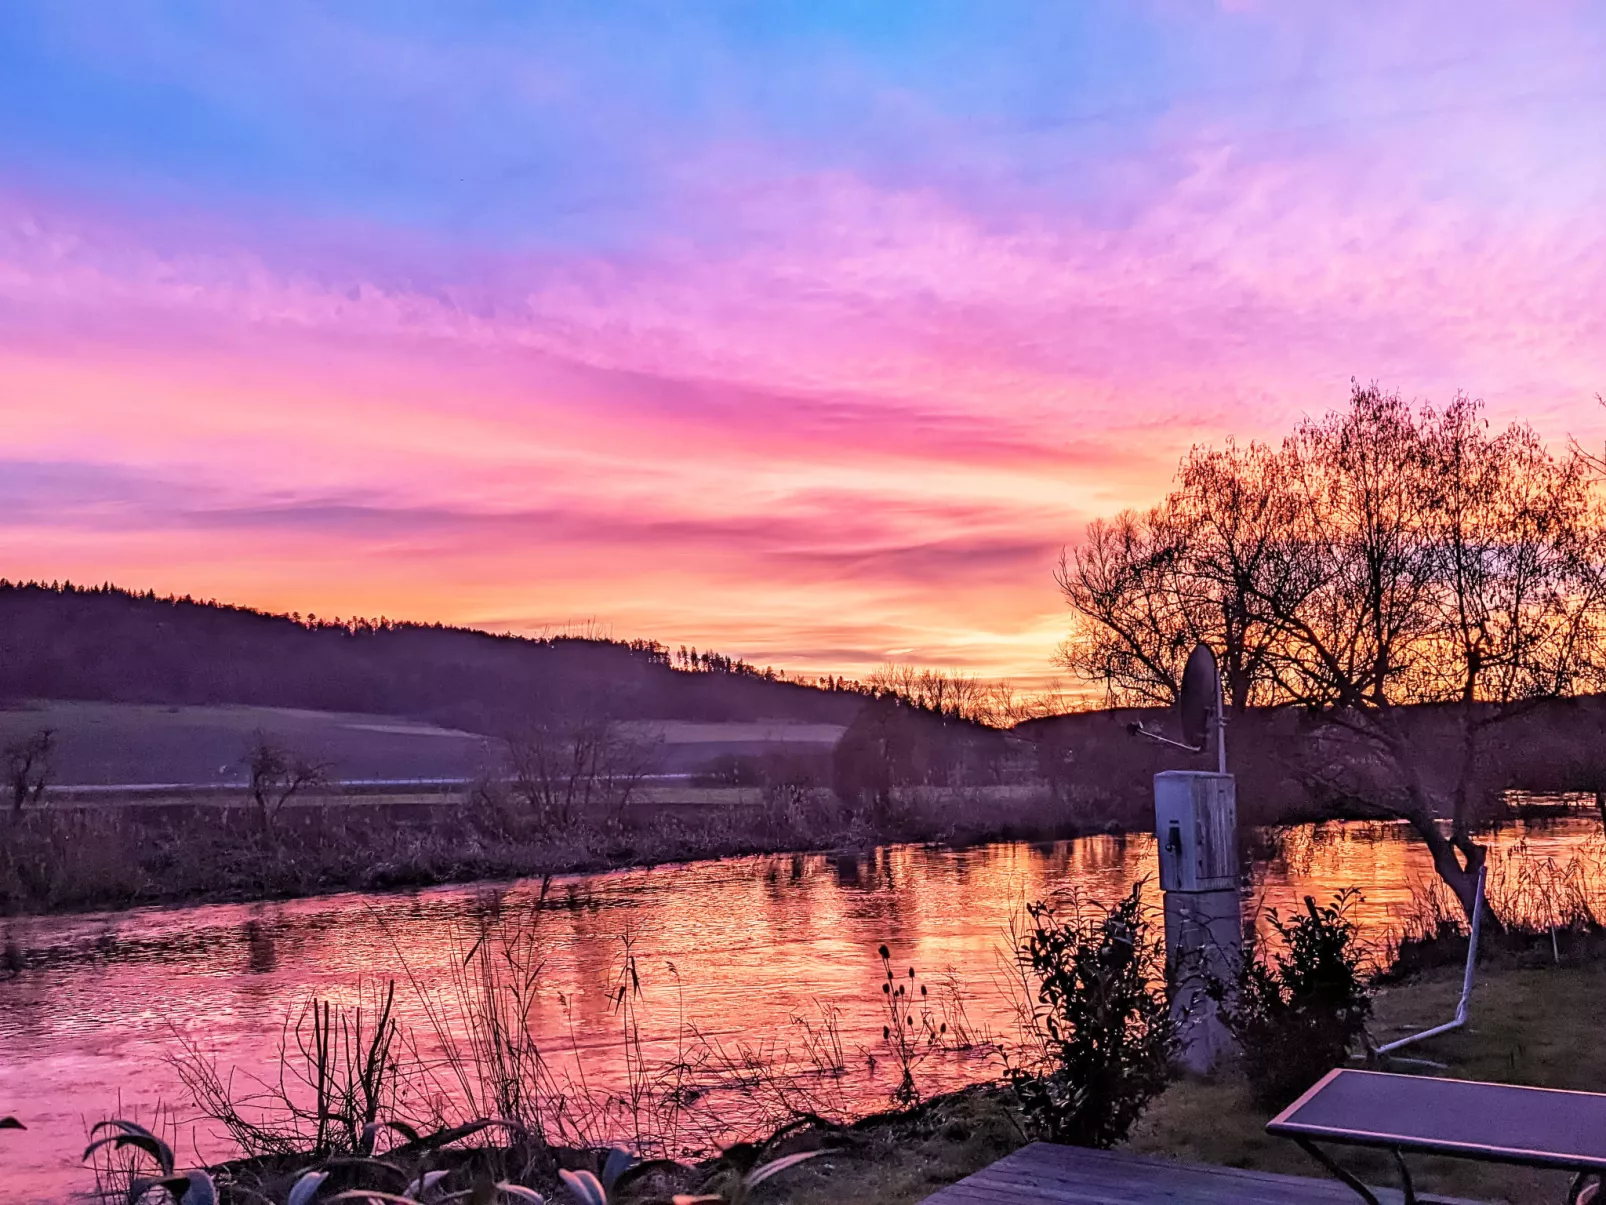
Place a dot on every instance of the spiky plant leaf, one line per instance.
(619, 1161)
(519, 1193)
(370, 1196)
(134, 1135)
(587, 1188)
(11, 1123)
(372, 1130)
(192, 1188)
(764, 1171)
(306, 1188)
(198, 1189)
(453, 1133)
(423, 1184)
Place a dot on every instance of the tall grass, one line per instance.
(355, 1083)
(340, 1072)
(1537, 906)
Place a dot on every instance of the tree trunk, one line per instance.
(1460, 873)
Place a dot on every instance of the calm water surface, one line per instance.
(89, 1018)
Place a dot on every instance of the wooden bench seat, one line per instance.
(1046, 1174)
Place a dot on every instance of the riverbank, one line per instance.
(82, 860)
(74, 858)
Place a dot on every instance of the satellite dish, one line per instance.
(1197, 698)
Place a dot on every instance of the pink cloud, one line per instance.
(879, 404)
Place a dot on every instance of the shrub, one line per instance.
(1101, 1014)
(1296, 1013)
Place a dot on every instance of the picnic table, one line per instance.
(1467, 1119)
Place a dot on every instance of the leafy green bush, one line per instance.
(1297, 1012)
(1101, 1015)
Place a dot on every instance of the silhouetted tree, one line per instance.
(572, 759)
(1381, 557)
(277, 775)
(27, 767)
(876, 752)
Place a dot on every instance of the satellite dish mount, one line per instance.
(1199, 701)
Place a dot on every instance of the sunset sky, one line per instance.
(809, 331)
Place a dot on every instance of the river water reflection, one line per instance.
(739, 947)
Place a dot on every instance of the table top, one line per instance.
(1499, 1123)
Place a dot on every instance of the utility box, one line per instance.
(1196, 825)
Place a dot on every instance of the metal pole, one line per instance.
(1460, 1017)
(1221, 729)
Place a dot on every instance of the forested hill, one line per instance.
(111, 645)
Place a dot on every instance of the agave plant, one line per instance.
(485, 1193)
(738, 1192)
(191, 1188)
(196, 1187)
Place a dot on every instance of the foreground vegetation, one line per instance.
(476, 1104)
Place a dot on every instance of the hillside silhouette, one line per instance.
(107, 644)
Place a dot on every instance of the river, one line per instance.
(751, 953)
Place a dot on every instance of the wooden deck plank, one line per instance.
(1046, 1174)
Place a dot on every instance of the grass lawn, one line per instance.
(1530, 1026)
(1545, 1027)
(905, 1159)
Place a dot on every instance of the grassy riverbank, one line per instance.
(85, 859)
(1530, 1025)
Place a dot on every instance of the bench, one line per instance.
(1047, 1174)
(1466, 1119)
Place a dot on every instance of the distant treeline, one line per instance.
(1101, 773)
(103, 643)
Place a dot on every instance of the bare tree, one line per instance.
(572, 760)
(1595, 462)
(27, 767)
(945, 693)
(1155, 584)
(277, 775)
(1380, 559)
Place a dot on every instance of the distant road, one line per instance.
(662, 790)
(346, 785)
(352, 791)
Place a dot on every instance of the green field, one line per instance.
(118, 743)
(101, 744)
